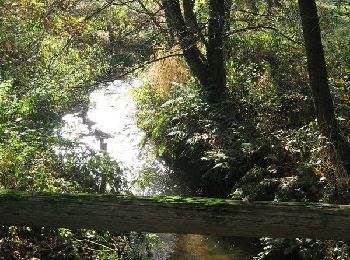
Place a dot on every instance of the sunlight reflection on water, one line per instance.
(110, 117)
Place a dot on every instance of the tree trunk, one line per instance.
(210, 69)
(176, 215)
(216, 57)
(318, 79)
(191, 21)
(187, 40)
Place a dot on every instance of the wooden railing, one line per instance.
(175, 214)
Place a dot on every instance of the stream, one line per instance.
(110, 122)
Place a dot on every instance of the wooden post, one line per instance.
(176, 215)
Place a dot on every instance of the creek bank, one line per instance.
(267, 174)
(109, 123)
(220, 153)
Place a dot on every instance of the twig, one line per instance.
(263, 27)
(143, 65)
(107, 77)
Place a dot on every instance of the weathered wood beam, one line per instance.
(176, 215)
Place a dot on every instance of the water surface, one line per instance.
(109, 123)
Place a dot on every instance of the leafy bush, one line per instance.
(50, 56)
(263, 142)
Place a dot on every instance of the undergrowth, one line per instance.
(262, 143)
(44, 75)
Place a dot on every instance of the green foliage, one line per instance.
(174, 121)
(263, 142)
(191, 134)
(302, 249)
(84, 170)
(62, 243)
(298, 248)
(51, 53)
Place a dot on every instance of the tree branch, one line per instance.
(263, 27)
(191, 21)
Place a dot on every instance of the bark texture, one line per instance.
(187, 40)
(191, 21)
(176, 215)
(215, 52)
(207, 66)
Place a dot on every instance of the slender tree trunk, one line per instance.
(318, 79)
(215, 52)
(191, 21)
